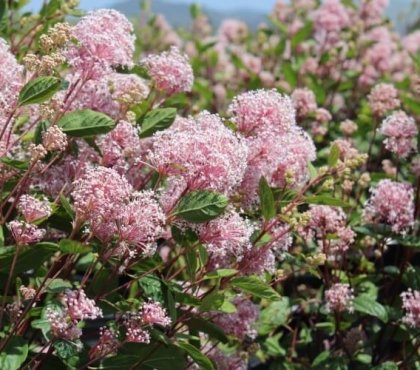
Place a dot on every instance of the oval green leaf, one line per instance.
(86, 122)
(39, 90)
(156, 120)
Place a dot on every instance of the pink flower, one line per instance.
(54, 139)
(391, 203)
(226, 238)
(33, 209)
(411, 42)
(140, 223)
(231, 361)
(152, 313)
(339, 298)
(62, 326)
(383, 98)
(325, 221)
(135, 334)
(25, 233)
(104, 39)
(372, 11)
(331, 16)
(400, 131)
(99, 195)
(260, 111)
(411, 304)
(80, 307)
(107, 344)
(240, 323)
(232, 30)
(203, 152)
(304, 102)
(27, 293)
(348, 127)
(170, 71)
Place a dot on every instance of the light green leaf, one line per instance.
(274, 316)
(39, 90)
(14, 355)
(86, 122)
(221, 273)
(326, 200)
(73, 247)
(301, 35)
(333, 156)
(256, 287)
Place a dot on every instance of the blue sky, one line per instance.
(261, 5)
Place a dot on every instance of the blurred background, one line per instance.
(405, 13)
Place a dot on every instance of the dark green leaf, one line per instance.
(256, 287)
(14, 355)
(218, 274)
(147, 357)
(205, 326)
(39, 130)
(268, 207)
(67, 206)
(368, 306)
(274, 316)
(201, 206)
(39, 90)
(86, 122)
(389, 365)
(156, 120)
(290, 75)
(199, 358)
(30, 257)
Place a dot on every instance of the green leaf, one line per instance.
(410, 103)
(156, 120)
(39, 90)
(39, 130)
(191, 261)
(274, 316)
(326, 200)
(333, 156)
(14, 355)
(57, 285)
(268, 207)
(389, 365)
(86, 122)
(68, 246)
(221, 273)
(137, 70)
(290, 75)
(199, 358)
(201, 206)
(3, 8)
(67, 206)
(368, 306)
(212, 301)
(207, 327)
(147, 357)
(1, 236)
(301, 35)
(254, 286)
(15, 163)
(29, 257)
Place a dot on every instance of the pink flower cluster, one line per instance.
(107, 344)
(411, 304)
(240, 323)
(104, 39)
(226, 238)
(25, 233)
(304, 101)
(202, 152)
(151, 313)
(400, 131)
(327, 221)
(33, 209)
(170, 71)
(339, 298)
(77, 306)
(391, 203)
(232, 361)
(383, 98)
(54, 139)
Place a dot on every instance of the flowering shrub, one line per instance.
(214, 199)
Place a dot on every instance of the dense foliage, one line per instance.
(214, 199)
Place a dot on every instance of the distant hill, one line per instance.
(400, 11)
